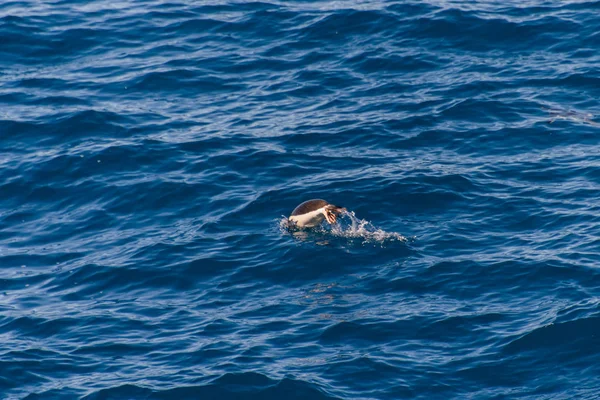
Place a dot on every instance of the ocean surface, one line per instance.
(150, 152)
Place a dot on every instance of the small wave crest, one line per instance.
(348, 226)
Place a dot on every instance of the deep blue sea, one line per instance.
(150, 152)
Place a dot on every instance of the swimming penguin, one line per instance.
(312, 212)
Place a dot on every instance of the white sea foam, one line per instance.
(349, 226)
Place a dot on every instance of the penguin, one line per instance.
(312, 212)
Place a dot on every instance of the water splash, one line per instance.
(351, 227)
(348, 226)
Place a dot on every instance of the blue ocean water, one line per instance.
(149, 150)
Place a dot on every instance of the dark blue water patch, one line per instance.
(59, 101)
(66, 128)
(42, 83)
(242, 386)
(192, 25)
(455, 26)
(168, 79)
(394, 64)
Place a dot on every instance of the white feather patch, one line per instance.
(310, 219)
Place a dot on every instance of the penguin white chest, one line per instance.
(309, 219)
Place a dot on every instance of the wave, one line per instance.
(248, 385)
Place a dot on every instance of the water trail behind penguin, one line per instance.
(350, 226)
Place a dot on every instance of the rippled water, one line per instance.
(150, 148)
